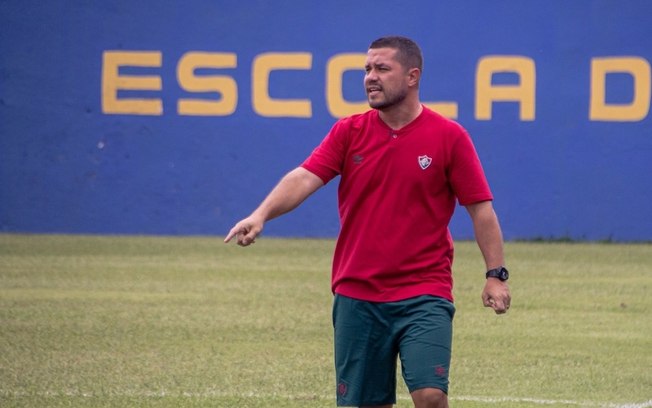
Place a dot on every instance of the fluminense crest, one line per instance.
(424, 161)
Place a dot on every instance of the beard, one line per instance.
(389, 100)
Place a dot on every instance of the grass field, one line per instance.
(192, 322)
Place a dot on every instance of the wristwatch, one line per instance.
(501, 273)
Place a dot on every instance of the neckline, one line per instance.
(405, 128)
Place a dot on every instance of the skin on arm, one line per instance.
(291, 191)
(489, 237)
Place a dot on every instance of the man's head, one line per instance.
(393, 69)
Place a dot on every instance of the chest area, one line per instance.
(406, 157)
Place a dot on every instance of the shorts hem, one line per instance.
(422, 386)
(367, 404)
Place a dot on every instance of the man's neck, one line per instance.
(398, 117)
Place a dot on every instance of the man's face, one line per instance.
(386, 80)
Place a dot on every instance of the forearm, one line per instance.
(291, 191)
(488, 234)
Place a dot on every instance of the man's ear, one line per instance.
(414, 76)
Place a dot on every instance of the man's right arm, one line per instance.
(291, 191)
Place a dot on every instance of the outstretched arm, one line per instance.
(490, 240)
(291, 191)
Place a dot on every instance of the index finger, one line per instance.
(234, 231)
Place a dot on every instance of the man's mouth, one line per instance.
(373, 90)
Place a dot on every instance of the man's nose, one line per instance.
(371, 76)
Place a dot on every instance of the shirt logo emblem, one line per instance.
(424, 161)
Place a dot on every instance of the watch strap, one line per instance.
(499, 273)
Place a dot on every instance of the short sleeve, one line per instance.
(326, 160)
(466, 175)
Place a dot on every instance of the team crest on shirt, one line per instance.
(424, 161)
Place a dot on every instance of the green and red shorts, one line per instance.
(369, 337)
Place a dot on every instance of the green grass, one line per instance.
(192, 322)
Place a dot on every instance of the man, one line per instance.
(402, 168)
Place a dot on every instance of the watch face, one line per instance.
(504, 275)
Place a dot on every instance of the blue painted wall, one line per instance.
(68, 163)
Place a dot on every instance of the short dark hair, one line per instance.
(409, 54)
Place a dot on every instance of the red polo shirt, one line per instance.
(397, 194)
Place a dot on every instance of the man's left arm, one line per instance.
(489, 237)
